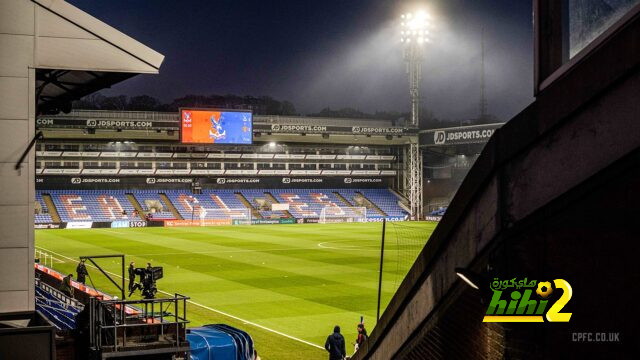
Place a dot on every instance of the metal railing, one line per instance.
(278, 119)
(43, 257)
(59, 295)
(123, 114)
(266, 119)
(111, 329)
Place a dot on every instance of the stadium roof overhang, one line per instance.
(77, 54)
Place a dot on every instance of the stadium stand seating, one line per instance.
(92, 205)
(308, 203)
(385, 200)
(350, 195)
(253, 194)
(299, 202)
(51, 303)
(44, 217)
(108, 205)
(188, 204)
(142, 195)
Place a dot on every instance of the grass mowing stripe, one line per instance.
(248, 265)
(205, 307)
(302, 291)
(235, 250)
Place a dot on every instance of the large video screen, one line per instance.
(216, 127)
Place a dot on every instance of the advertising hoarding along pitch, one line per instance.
(215, 127)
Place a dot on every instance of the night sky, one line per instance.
(319, 53)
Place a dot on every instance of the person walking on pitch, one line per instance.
(335, 345)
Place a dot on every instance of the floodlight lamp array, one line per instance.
(415, 28)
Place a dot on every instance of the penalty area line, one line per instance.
(211, 309)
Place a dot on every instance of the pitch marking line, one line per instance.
(345, 247)
(211, 309)
(223, 251)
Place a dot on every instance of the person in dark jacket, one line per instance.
(66, 286)
(362, 336)
(335, 345)
(81, 269)
(132, 275)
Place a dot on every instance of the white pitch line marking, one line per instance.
(223, 251)
(211, 309)
(345, 247)
(109, 231)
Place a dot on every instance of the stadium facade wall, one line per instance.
(270, 182)
(17, 128)
(38, 37)
(171, 121)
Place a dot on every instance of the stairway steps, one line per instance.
(172, 208)
(347, 202)
(254, 212)
(372, 205)
(136, 204)
(53, 211)
(275, 201)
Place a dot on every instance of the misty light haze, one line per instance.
(334, 54)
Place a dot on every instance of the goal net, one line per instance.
(334, 214)
(238, 216)
(403, 243)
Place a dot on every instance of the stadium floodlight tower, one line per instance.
(414, 34)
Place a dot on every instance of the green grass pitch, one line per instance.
(286, 285)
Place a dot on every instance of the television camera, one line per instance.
(147, 284)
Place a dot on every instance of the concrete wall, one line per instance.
(17, 128)
(44, 34)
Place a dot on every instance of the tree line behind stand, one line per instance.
(261, 105)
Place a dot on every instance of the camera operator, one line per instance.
(81, 269)
(137, 286)
(132, 276)
(149, 289)
(147, 282)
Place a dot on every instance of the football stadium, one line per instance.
(219, 228)
(323, 199)
(278, 236)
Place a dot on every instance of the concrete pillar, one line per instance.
(17, 128)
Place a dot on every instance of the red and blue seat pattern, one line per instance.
(142, 195)
(113, 205)
(92, 205)
(217, 204)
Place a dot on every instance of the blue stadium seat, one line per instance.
(108, 205)
(44, 217)
(60, 314)
(142, 195)
(92, 205)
